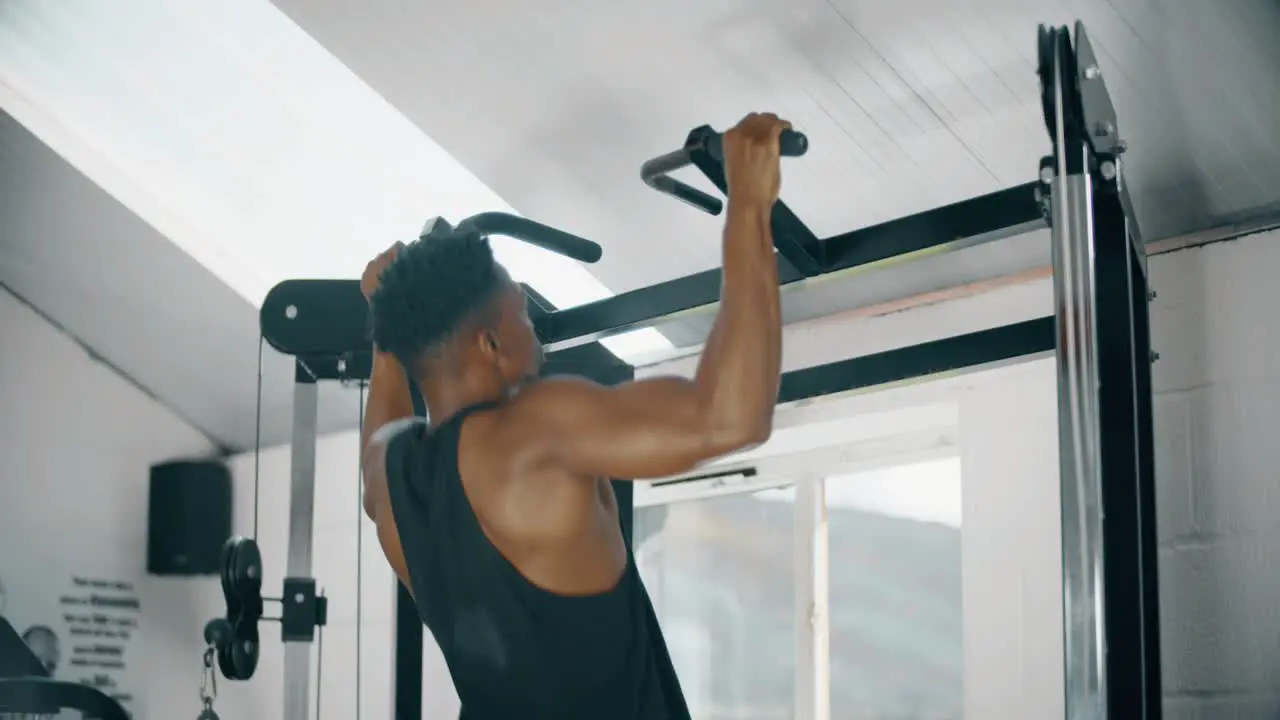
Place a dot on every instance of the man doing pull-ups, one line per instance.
(497, 512)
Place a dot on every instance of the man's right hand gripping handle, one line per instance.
(663, 426)
(741, 363)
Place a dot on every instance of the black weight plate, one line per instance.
(226, 664)
(227, 563)
(230, 585)
(240, 582)
(249, 568)
(246, 660)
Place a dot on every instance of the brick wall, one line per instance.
(1217, 418)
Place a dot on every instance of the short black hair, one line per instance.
(434, 285)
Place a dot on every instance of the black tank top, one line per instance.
(514, 650)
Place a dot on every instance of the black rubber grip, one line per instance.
(792, 143)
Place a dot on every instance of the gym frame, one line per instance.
(1099, 333)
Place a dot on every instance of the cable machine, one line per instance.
(1099, 333)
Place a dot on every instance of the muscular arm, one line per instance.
(388, 410)
(387, 413)
(662, 426)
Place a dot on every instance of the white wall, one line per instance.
(1011, 548)
(1217, 412)
(77, 445)
(78, 442)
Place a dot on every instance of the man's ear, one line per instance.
(489, 344)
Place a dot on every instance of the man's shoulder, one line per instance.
(518, 432)
(549, 393)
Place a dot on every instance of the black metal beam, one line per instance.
(1131, 625)
(326, 321)
(1148, 539)
(935, 230)
(1122, 572)
(324, 324)
(961, 352)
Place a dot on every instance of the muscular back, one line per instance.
(558, 528)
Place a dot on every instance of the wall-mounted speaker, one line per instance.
(188, 517)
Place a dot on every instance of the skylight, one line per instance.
(238, 136)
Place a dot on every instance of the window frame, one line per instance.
(807, 471)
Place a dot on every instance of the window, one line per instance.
(895, 582)
(721, 574)
(894, 592)
(831, 590)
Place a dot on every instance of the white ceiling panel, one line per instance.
(909, 104)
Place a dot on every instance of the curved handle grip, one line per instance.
(535, 233)
(656, 173)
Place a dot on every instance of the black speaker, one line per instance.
(189, 517)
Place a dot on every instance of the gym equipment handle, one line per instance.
(656, 173)
(534, 233)
(791, 144)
